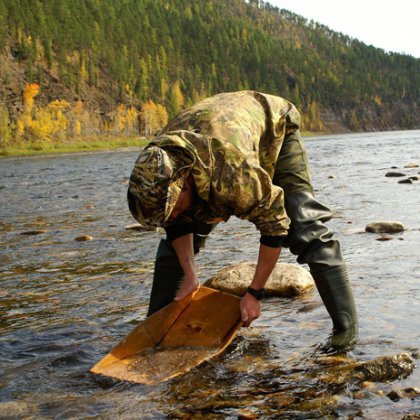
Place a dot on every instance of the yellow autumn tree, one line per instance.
(124, 121)
(153, 117)
(5, 130)
(176, 99)
(29, 93)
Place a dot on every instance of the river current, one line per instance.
(64, 303)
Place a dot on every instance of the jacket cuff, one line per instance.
(272, 241)
(177, 230)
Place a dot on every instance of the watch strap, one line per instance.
(258, 294)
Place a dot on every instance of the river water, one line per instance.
(64, 303)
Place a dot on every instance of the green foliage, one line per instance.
(176, 51)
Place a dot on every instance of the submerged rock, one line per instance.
(384, 238)
(385, 227)
(14, 409)
(405, 181)
(33, 232)
(134, 226)
(393, 174)
(286, 280)
(381, 369)
(398, 394)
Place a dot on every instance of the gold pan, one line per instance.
(175, 339)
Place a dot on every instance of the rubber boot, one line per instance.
(167, 277)
(168, 274)
(314, 244)
(334, 288)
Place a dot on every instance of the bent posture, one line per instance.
(238, 154)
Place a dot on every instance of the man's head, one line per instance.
(156, 182)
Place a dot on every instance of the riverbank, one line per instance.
(84, 144)
(95, 143)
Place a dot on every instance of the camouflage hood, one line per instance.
(155, 183)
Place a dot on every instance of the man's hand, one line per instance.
(250, 309)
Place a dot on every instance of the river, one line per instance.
(64, 303)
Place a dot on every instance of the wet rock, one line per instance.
(246, 415)
(384, 238)
(414, 178)
(83, 238)
(286, 280)
(381, 369)
(405, 181)
(332, 177)
(385, 227)
(281, 399)
(134, 226)
(398, 394)
(14, 409)
(393, 174)
(367, 385)
(33, 232)
(361, 394)
(320, 405)
(140, 228)
(411, 165)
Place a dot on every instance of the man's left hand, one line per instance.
(250, 309)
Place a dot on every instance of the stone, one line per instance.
(380, 369)
(411, 165)
(33, 232)
(14, 409)
(134, 226)
(384, 238)
(385, 227)
(286, 280)
(414, 178)
(405, 181)
(83, 238)
(367, 385)
(394, 174)
(398, 394)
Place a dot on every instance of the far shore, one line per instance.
(86, 144)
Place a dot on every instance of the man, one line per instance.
(238, 154)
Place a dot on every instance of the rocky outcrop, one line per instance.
(286, 280)
(385, 227)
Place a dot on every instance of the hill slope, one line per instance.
(92, 65)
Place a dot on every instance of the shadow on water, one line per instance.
(65, 303)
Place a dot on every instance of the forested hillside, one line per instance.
(79, 67)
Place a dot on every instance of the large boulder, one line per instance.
(385, 227)
(286, 280)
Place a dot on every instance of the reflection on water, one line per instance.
(65, 303)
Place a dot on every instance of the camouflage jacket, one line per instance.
(233, 141)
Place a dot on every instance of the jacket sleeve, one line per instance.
(250, 194)
(269, 216)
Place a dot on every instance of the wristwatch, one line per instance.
(258, 294)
